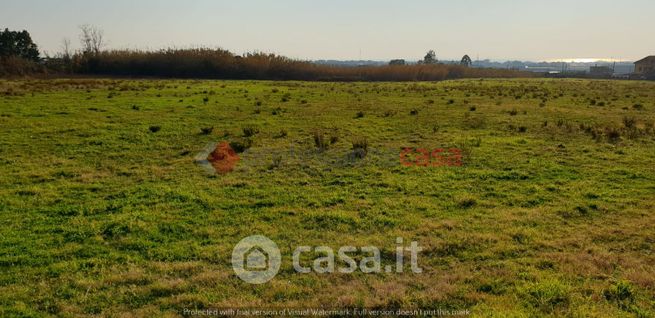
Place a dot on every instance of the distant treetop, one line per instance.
(430, 58)
(18, 43)
(466, 61)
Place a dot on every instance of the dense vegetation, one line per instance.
(104, 211)
(20, 56)
(221, 64)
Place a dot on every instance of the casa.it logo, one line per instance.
(223, 158)
(422, 157)
(256, 259)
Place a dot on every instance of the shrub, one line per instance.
(359, 114)
(620, 292)
(475, 121)
(472, 108)
(413, 112)
(613, 134)
(360, 147)
(629, 122)
(333, 139)
(388, 113)
(476, 142)
(513, 112)
(222, 64)
(206, 130)
(277, 161)
(549, 295)
(283, 133)
(560, 122)
(241, 145)
(638, 106)
(276, 111)
(154, 129)
(250, 131)
(320, 141)
(466, 202)
(14, 65)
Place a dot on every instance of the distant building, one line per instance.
(600, 71)
(645, 66)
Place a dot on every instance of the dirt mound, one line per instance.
(223, 158)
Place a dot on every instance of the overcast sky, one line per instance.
(350, 29)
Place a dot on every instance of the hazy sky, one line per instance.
(344, 29)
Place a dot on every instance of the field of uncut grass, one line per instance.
(103, 210)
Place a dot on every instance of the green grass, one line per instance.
(104, 211)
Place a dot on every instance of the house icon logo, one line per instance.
(256, 259)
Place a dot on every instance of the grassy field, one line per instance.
(104, 211)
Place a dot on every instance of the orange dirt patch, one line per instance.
(223, 158)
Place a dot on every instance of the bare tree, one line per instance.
(91, 38)
(66, 48)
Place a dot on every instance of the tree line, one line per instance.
(20, 56)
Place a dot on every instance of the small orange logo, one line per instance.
(223, 158)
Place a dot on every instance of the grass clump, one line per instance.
(548, 296)
(360, 147)
(206, 130)
(621, 292)
(388, 113)
(241, 145)
(282, 133)
(475, 121)
(629, 122)
(323, 141)
(466, 202)
(275, 163)
(250, 131)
